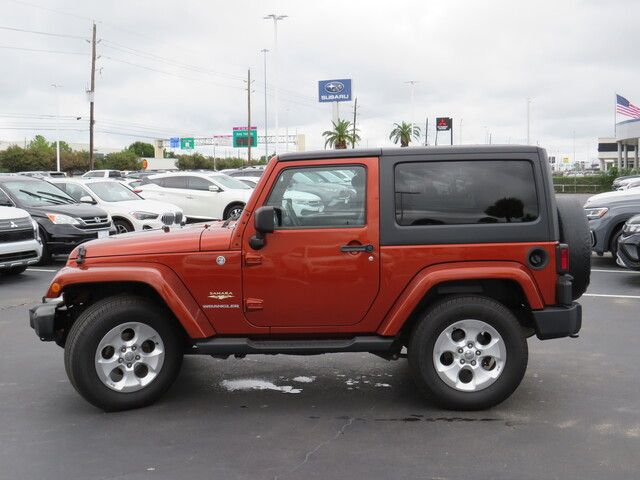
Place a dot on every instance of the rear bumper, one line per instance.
(558, 321)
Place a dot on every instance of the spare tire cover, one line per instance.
(574, 231)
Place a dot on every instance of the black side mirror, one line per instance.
(264, 222)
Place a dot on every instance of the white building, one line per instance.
(621, 151)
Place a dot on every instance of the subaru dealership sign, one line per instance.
(334, 90)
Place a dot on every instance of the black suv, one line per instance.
(64, 223)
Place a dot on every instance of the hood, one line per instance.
(73, 210)
(607, 198)
(155, 242)
(10, 213)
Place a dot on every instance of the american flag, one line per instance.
(625, 107)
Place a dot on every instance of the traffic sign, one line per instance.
(240, 137)
(187, 143)
(174, 142)
(334, 90)
(443, 124)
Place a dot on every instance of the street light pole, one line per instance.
(528, 121)
(275, 18)
(57, 126)
(412, 83)
(266, 128)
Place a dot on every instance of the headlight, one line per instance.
(144, 215)
(60, 219)
(595, 213)
(632, 228)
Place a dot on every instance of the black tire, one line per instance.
(93, 324)
(574, 231)
(123, 226)
(445, 313)
(13, 270)
(613, 243)
(234, 209)
(45, 259)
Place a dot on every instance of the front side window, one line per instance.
(306, 203)
(198, 183)
(465, 192)
(226, 181)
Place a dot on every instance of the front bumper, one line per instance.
(62, 239)
(42, 318)
(558, 321)
(628, 254)
(18, 254)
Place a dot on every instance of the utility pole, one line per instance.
(249, 138)
(426, 132)
(528, 121)
(266, 128)
(460, 134)
(92, 96)
(276, 18)
(57, 126)
(355, 116)
(412, 83)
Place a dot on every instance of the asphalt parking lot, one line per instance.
(576, 414)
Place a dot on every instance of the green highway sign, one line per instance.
(240, 137)
(187, 143)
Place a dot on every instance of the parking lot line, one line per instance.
(614, 271)
(41, 270)
(610, 296)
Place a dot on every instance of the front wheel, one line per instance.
(123, 352)
(233, 211)
(468, 353)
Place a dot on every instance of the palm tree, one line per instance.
(342, 133)
(404, 133)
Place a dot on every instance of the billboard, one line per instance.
(334, 90)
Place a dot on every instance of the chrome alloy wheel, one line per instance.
(129, 357)
(469, 355)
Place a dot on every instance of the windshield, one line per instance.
(37, 193)
(113, 192)
(229, 182)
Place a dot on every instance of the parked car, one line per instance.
(129, 211)
(302, 203)
(63, 222)
(20, 244)
(461, 297)
(331, 193)
(43, 174)
(202, 196)
(255, 172)
(607, 214)
(628, 254)
(621, 181)
(103, 174)
(630, 184)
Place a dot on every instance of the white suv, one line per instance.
(202, 196)
(20, 244)
(117, 174)
(129, 211)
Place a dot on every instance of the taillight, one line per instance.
(562, 257)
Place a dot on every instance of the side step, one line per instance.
(247, 346)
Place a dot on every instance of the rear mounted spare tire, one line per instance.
(574, 231)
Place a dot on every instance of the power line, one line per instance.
(10, 47)
(64, 35)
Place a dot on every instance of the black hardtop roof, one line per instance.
(397, 151)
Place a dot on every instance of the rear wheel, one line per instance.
(123, 352)
(468, 353)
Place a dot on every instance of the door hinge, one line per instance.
(252, 259)
(252, 304)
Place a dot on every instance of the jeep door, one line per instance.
(320, 268)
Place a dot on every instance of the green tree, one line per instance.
(341, 134)
(17, 159)
(404, 133)
(124, 160)
(141, 149)
(71, 161)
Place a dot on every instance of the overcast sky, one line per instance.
(169, 68)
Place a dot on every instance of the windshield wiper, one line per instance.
(53, 200)
(56, 196)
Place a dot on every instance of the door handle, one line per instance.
(356, 248)
(189, 197)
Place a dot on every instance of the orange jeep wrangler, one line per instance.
(450, 256)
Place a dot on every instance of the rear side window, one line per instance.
(465, 192)
(174, 182)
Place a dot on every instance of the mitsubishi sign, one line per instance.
(334, 90)
(443, 123)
